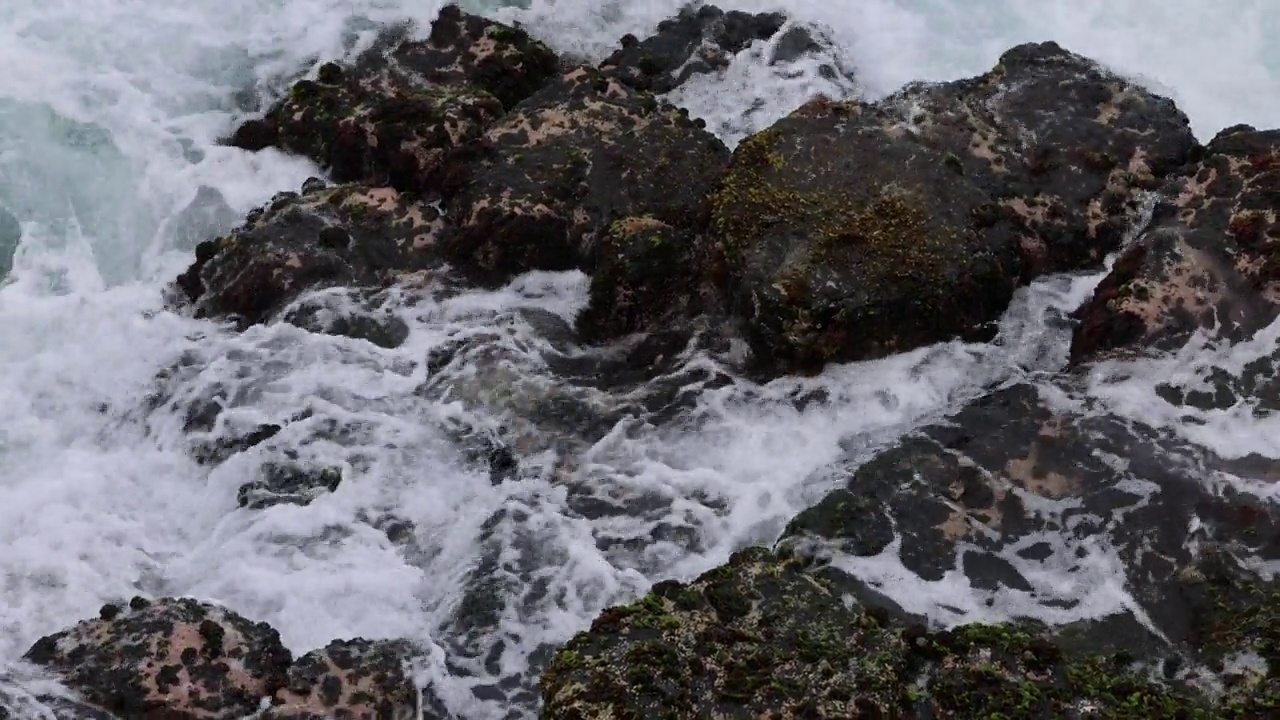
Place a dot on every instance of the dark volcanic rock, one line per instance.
(171, 658)
(1209, 261)
(285, 483)
(348, 315)
(566, 163)
(764, 637)
(646, 278)
(399, 113)
(184, 660)
(854, 230)
(333, 236)
(697, 41)
(359, 678)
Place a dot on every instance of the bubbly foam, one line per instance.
(110, 131)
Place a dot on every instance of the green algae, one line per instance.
(764, 637)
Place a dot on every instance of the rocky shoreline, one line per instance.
(848, 230)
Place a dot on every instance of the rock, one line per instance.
(346, 235)
(357, 679)
(10, 236)
(176, 658)
(699, 40)
(854, 230)
(207, 215)
(347, 314)
(566, 163)
(1209, 260)
(645, 278)
(287, 483)
(764, 637)
(400, 113)
(1008, 488)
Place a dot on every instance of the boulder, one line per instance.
(852, 230)
(179, 657)
(763, 636)
(188, 660)
(335, 236)
(569, 161)
(1209, 261)
(399, 114)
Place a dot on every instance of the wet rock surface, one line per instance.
(1206, 263)
(855, 230)
(1005, 489)
(183, 659)
(581, 153)
(335, 236)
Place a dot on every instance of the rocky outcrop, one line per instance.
(854, 230)
(10, 236)
(327, 236)
(1004, 489)
(1208, 262)
(582, 153)
(396, 116)
(188, 660)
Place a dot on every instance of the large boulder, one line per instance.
(334, 236)
(566, 163)
(401, 111)
(1139, 548)
(187, 660)
(764, 637)
(854, 230)
(1208, 262)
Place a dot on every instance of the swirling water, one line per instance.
(109, 115)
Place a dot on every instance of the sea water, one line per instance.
(110, 111)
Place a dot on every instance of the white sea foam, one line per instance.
(108, 118)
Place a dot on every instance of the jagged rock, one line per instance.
(357, 679)
(400, 113)
(564, 164)
(697, 41)
(339, 236)
(764, 637)
(348, 315)
(176, 658)
(287, 483)
(207, 215)
(854, 230)
(1209, 261)
(10, 236)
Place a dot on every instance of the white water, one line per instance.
(108, 114)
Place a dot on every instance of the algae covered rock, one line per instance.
(336, 236)
(358, 679)
(563, 165)
(763, 636)
(854, 230)
(399, 114)
(1209, 261)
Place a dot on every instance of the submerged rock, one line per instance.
(10, 236)
(580, 154)
(1208, 262)
(338, 236)
(188, 660)
(855, 230)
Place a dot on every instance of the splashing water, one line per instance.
(108, 133)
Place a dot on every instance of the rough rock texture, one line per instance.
(181, 657)
(696, 41)
(1209, 260)
(349, 313)
(1005, 489)
(400, 113)
(351, 679)
(338, 236)
(853, 230)
(567, 162)
(285, 483)
(764, 637)
(646, 278)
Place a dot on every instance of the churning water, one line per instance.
(109, 115)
